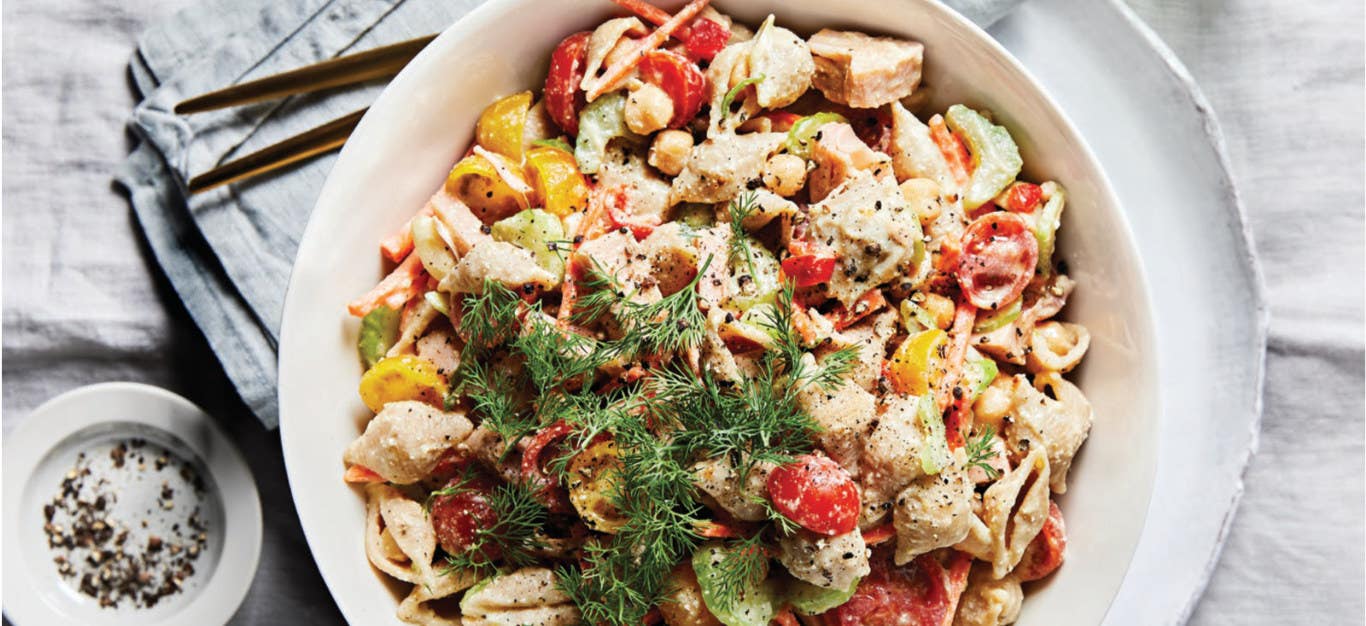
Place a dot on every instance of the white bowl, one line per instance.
(424, 121)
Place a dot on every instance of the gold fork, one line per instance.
(379, 62)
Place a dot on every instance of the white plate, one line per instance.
(1160, 144)
(404, 147)
(43, 448)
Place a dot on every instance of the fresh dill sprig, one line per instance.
(671, 324)
(511, 538)
(494, 397)
(980, 453)
(783, 523)
(787, 350)
(555, 357)
(740, 568)
(490, 317)
(743, 206)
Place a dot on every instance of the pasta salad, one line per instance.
(722, 326)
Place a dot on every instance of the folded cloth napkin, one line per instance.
(228, 252)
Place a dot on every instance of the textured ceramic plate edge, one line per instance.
(1238, 214)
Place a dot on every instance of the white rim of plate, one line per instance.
(1214, 134)
(73, 412)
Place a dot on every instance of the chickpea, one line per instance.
(785, 174)
(648, 109)
(670, 151)
(993, 405)
(923, 196)
(940, 308)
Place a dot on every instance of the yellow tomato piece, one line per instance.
(501, 125)
(592, 478)
(477, 183)
(557, 180)
(918, 362)
(399, 378)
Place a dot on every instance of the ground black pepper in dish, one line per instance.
(112, 553)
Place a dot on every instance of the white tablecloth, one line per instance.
(81, 303)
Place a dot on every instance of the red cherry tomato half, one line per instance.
(706, 39)
(997, 260)
(678, 77)
(809, 269)
(563, 99)
(1023, 197)
(457, 517)
(548, 488)
(1045, 552)
(817, 494)
(923, 593)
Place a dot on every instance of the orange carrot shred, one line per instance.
(361, 474)
(953, 149)
(400, 286)
(622, 67)
(399, 244)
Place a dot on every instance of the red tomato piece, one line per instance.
(706, 38)
(809, 269)
(817, 494)
(1023, 197)
(997, 260)
(457, 517)
(1045, 553)
(563, 99)
(548, 489)
(678, 77)
(923, 593)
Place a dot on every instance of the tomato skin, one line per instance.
(706, 38)
(922, 593)
(867, 304)
(817, 494)
(808, 270)
(563, 99)
(678, 77)
(548, 488)
(457, 517)
(1045, 553)
(997, 259)
(1023, 197)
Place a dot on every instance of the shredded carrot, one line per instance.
(622, 67)
(715, 530)
(959, 335)
(400, 286)
(879, 534)
(358, 474)
(953, 149)
(399, 244)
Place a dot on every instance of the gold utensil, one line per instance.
(344, 70)
(329, 136)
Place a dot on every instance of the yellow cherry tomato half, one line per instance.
(918, 362)
(501, 125)
(481, 186)
(558, 182)
(399, 378)
(592, 478)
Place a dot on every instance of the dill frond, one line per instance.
(980, 453)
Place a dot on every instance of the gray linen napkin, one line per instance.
(228, 252)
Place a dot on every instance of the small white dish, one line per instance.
(420, 125)
(44, 448)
